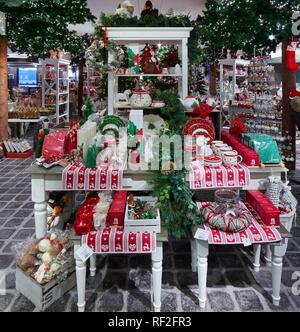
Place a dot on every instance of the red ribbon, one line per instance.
(105, 36)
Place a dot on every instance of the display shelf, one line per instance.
(56, 68)
(148, 75)
(228, 87)
(139, 36)
(40, 119)
(136, 108)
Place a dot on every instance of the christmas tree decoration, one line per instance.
(197, 86)
(168, 56)
(147, 60)
(87, 110)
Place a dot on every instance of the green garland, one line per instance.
(173, 110)
(116, 20)
(175, 202)
(175, 199)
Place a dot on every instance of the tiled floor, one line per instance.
(123, 282)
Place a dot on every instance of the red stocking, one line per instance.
(291, 60)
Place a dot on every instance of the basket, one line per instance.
(295, 104)
(142, 225)
(287, 219)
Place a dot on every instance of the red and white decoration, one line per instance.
(115, 240)
(78, 177)
(257, 232)
(216, 177)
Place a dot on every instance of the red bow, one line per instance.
(41, 134)
(139, 135)
(203, 110)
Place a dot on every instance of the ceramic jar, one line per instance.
(140, 98)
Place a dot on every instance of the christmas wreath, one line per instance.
(228, 219)
(97, 55)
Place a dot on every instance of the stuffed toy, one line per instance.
(126, 8)
(148, 9)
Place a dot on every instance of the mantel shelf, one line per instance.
(146, 33)
(150, 75)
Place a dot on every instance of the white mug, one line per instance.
(217, 146)
(214, 143)
(232, 158)
(223, 149)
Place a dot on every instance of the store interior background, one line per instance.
(189, 7)
(192, 8)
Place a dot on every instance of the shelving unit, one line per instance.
(139, 36)
(228, 81)
(55, 84)
(90, 82)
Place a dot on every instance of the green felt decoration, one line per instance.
(87, 110)
(92, 153)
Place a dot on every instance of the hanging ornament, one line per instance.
(291, 57)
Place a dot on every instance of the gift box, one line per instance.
(250, 157)
(116, 212)
(71, 141)
(54, 145)
(269, 213)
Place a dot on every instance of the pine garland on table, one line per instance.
(175, 202)
(175, 199)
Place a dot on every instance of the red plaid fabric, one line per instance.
(115, 240)
(78, 177)
(223, 176)
(257, 232)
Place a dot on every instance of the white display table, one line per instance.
(46, 180)
(200, 252)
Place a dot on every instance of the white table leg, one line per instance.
(268, 255)
(194, 255)
(39, 197)
(202, 253)
(93, 265)
(278, 253)
(157, 257)
(80, 279)
(256, 254)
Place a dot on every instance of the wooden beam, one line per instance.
(80, 85)
(213, 79)
(3, 89)
(288, 83)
